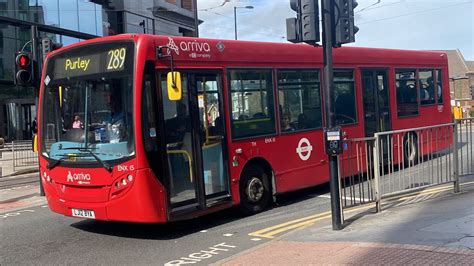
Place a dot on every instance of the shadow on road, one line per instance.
(174, 230)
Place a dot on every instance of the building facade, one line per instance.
(67, 22)
(461, 82)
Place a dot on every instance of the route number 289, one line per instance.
(116, 59)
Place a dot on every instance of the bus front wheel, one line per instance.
(254, 190)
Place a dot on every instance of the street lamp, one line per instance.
(235, 17)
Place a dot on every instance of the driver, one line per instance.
(116, 121)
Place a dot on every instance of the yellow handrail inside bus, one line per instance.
(60, 96)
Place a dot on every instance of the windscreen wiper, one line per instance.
(89, 151)
(53, 164)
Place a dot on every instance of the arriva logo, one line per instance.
(188, 46)
(78, 177)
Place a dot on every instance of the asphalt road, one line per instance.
(35, 235)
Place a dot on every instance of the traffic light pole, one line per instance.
(328, 20)
(36, 77)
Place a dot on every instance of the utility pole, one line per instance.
(328, 20)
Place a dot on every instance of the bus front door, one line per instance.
(195, 144)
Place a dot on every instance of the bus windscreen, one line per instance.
(88, 108)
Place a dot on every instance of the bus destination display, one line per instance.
(87, 64)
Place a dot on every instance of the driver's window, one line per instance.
(345, 97)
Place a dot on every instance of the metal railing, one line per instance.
(23, 154)
(400, 161)
(356, 166)
(464, 151)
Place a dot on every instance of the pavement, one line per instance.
(428, 229)
(19, 192)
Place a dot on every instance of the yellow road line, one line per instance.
(271, 231)
(260, 232)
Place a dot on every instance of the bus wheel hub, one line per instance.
(255, 189)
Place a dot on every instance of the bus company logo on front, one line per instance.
(304, 149)
(80, 177)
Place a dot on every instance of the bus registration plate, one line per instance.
(83, 213)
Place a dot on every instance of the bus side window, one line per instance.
(252, 102)
(345, 97)
(407, 92)
(299, 99)
(439, 85)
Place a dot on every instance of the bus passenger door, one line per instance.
(211, 143)
(195, 143)
(376, 101)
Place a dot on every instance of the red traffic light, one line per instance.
(23, 60)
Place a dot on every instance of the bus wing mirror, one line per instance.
(173, 81)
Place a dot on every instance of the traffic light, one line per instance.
(24, 68)
(344, 28)
(310, 21)
(48, 45)
(305, 27)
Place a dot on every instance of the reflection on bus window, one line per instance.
(251, 93)
(299, 99)
(344, 96)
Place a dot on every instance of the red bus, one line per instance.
(152, 129)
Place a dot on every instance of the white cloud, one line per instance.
(405, 24)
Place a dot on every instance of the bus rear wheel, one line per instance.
(255, 191)
(410, 149)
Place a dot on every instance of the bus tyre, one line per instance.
(254, 190)
(410, 147)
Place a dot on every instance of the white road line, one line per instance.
(228, 234)
(256, 239)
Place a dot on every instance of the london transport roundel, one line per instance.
(304, 149)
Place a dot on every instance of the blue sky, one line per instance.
(405, 24)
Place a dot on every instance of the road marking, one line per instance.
(202, 255)
(203, 231)
(272, 231)
(14, 188)
(228, 234)
(44, 206)
(255, 239)
(13, 214)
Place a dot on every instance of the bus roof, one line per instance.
(215, 51)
